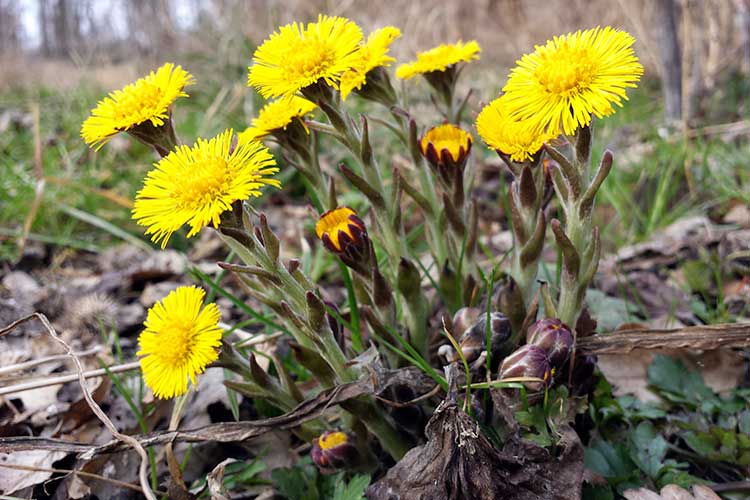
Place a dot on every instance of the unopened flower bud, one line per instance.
(345, 234)
(333, 450)
(465, 319)
(528, 361)
(446, 147)
(554, 337)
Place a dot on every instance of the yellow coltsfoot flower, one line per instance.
(345, 234)
(298, 56)
(181, 338)
(141, 105)
(572, 77)
(517, 140)
(446, 148)
(372, 55)
(439, 59)
(276, 116)
(195, 185)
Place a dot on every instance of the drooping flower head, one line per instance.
(572, 77)
(277, 116)
(345, 234)
(297, 56)
(146, 101)
(519, 140)
(195, 185)
(373, 54)
(180, 339)
(439, 59)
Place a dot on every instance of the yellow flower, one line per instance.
(340, 228)
(519, 140)
(146, 100)
(372, 54)
(296, 56)
(181, 338)
(562, 83)
(439, 58)
(446, 145)
(277, 115)
(196, 185)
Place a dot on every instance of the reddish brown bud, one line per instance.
(333, 450)
(527, 361)
(554, 337)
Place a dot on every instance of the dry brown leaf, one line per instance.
(12, 480)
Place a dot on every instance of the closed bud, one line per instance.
(333, 450)
(345, 234)
(554, 337)
(446, 147)
(465, 319)
(527, 361)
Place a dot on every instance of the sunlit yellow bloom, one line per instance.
(277, 115)
(295, 56)
(196, 185)
(446, 143)
(572, 77)
(519, 140)
(181, 338)
(146, 100)
(372, 54)
(439, 58)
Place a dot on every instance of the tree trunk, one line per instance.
(665, 30)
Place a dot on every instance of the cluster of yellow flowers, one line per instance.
(554, 90)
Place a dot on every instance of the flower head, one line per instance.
(297, 56)
(572, 77)
(181, 338)
(517, 139)
(439, 59)
(373, 54)
(276, 116)
(554, 337)
(527, 361)
(333, 450)
(195, 185)
(345, 234)
(446, 145)
(146, 100)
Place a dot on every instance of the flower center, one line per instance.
(331, 440)
(308, 59)
(205, 181)
(566, 70)
(137, 104)
(177, 340)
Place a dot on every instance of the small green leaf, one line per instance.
(648, 449)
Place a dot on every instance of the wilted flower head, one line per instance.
(146, 101)
(527, 361)
(345, 234)
(439, 59)
(519, 140)
(181, 338)
(554, 337)
(195, 185)
(572, 77)
(297, 56)
(333, 450)
(372, 54)
(276, 116)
